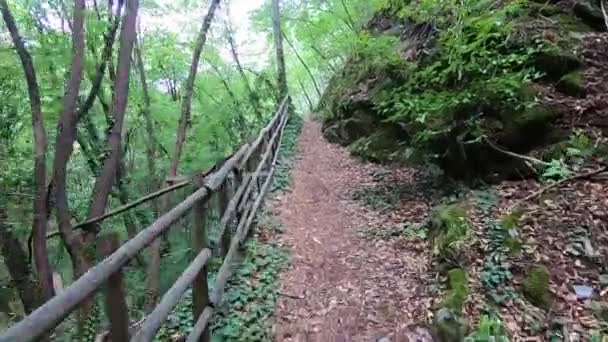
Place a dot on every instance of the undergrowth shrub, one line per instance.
(490, 329)
(452, 230)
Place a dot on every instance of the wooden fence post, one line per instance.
(115, 303)
(200, 287)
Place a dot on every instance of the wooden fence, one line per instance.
(241, 181)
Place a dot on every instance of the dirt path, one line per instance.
(340, 286)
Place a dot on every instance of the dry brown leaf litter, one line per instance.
(339, 286)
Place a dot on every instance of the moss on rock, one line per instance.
(572, 84)
(458, 289)
(590, 12)
(382, 145)
(536, 116)
(536, 286)
(448, 326)
(556, 63)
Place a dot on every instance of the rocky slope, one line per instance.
(441, 96)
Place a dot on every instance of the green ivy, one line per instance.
(251, 295)
(502, 241)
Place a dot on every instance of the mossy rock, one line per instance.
(542, 8)
(591, 13)
(556, 63)
(331, 133)
(572, 84)
(348, 130)
(381, 146)
(458, 289)
(568, 22)
(448, 326)
(536, 286)
(536, 116)
(528, 127)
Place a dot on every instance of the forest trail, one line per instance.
(340, 286)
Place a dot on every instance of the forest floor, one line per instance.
(341, 286)
(362, 266)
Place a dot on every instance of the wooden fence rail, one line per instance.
(240, 181)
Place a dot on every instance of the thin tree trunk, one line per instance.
(241, 123)
(152, 139)
(310, 105)
(348, 16)
(107, 177)
(40, 206)
(254, 99)
(16, 261)
(278, 42)
(184, 120)
(64, 143)
(106, 55)
(91, 150)
(323, 57)
(312, 77)
(231, 94)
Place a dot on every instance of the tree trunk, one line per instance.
(16, 261)
(40, 206)
(278, 42)
(323, 57)
(103, 184)
(152, 140)
(310, 105)
(241, 123)
(312, 77)
(106, 55)
(64, 143)
(184, 122)
(348, 16)
(254, 99)
(184, 119)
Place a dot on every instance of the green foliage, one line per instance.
(503, 241)
(572, 84)
(536, 286)
(490, 329)
(282, 177)
(486, 201)
(376, 53)
(580, 147)
(556, 169)
(251, 295)
(454, 229)
(569, 156)
(474, 69)
(458, 289)
(252, 292)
